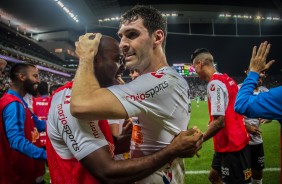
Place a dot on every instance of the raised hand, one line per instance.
(258, 59)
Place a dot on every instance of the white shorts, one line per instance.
(171, 173)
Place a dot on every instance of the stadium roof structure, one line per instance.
(46, 16)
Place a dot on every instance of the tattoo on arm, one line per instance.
(214, 127)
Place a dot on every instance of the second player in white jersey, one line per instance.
(254, 140)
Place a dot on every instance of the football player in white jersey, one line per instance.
(256, 142)
(158, 97)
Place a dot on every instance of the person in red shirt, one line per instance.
(41, 103)
(231, 162)
(40, 108)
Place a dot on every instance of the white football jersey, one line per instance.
(254, 140)
(161, 101)
(71, 137)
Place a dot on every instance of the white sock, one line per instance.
(256, 181)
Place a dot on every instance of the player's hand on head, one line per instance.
(188, 142)
(87, 45)
(258, 59)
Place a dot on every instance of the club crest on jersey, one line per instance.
(247, 173)
(67, 99)
(212, 88)
(158, 75)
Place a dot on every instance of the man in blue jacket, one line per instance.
(267, 105)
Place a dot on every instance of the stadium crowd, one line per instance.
(197, 87)
(50, 78)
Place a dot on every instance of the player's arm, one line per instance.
(94, 154)
(14, 118)
(251, 129)
(128, 171)
(40, 124)
(88, 99)
(264, 105)
(216, 90)
(215, 126)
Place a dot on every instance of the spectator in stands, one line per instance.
(231, 161)
(19, 128)
(5, 81)
(3, 64)
(72, 139)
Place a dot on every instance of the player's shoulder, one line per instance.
(215, 85)
(215, 82)
(62, 97)
(164, 74)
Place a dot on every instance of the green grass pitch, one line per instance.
(271, 138)
(200, 166)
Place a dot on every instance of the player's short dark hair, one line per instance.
(152, 19)
(43, 88)
(19, 68)
(53, 88)
(198, 52)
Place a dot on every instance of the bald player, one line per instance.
(79, 152)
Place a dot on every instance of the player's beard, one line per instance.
(30, 88)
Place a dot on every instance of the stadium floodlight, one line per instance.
(67, 10)
(61, 4)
